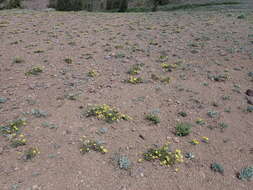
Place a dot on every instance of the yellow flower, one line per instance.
(178, 151)
(205, 139)
(105, 150)
(140, 160)
(195, 141)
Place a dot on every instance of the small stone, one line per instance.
(250, 100)
(142, 174)
(36, 187)
(175, 139)
(249, 92)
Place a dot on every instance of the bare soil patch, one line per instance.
(195, 67)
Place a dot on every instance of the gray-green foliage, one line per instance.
(183, 129)
(246, 173)
(217, 168)
(124, 162)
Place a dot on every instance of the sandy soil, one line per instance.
(202, 43)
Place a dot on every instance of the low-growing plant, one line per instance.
(91, 145)
(39, 113)
(31, 153)
(183, 129)
(163, 58)
(200, 121)
(168, 66)
(124, 162)
(213, 114)
(165, 80)
(68, 60)
(106, 113)
(242, 16)
(222, 126)
(135, 69)
(217, 168)
(153, 118)
(182, 113)
(49, 125)
(194, 142)
(155, 77)
(250, 109)
(134, 80)
(72, 96)
(34, 71)
(226, 97)
(161, 79)
(205, 139)
(164, 155)
(12, 127)
(219, 78)
(18, 60)
(3, 100)
(39, 51)
(246, 173)
(18, 141)
(189, 155)
(92, 73)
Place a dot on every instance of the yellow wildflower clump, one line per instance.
(195, 142)
(169, 66)
(164, 155)
(135, 69)
(13, 127)
(135, 80)
(31, 153)
(106, 113)
(19, 141)
(89, 145)
(92, 73)
(205, 139)
(200, 121)
(34, 71)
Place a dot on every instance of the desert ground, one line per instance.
(182, 66)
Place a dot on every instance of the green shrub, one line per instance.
(69, 5)
(164, 155)
(106, 112)
(12, 4)
(31, 153)
(34, 71)
(91, 145)
(153, 118)
(183, 129)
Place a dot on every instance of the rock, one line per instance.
(36, 187)
(249, 92)
(250, 100)
(175, 139)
